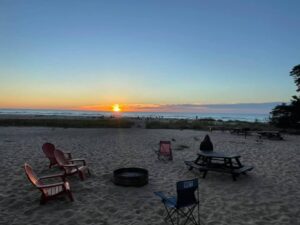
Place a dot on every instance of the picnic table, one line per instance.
(218, 162)
(240, 131)
(272, 135)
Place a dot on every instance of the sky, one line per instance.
(147, 55)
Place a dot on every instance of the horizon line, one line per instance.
(257, 108)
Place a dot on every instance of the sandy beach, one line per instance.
(269, 194)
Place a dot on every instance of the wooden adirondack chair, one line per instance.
(69, 165)
(48, 190)
(48, 149)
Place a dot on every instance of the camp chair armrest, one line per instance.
(78, 160)
(51, 176)
(163, 197)
(51, 185)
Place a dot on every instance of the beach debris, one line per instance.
(181, 147)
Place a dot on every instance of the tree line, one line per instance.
(288, 115)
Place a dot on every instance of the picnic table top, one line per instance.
(213, 154)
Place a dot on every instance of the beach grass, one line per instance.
(69, 123)
(207, 124)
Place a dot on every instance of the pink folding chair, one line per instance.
(165, 150)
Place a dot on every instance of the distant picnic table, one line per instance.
(218, 162)
(240, 131)
(272, 135)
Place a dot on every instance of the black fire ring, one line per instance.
(135, 177)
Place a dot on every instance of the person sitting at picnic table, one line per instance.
(206, 144)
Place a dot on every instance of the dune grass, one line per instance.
(206, 124)
(103, 122)
(69, 123)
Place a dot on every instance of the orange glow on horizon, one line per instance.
(122, 107)
(116, 108)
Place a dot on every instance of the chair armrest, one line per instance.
(68, 154)
(51, 176)
(164, 198)
(78, 160)
(50, 185)
(71, 165)
(161, 195)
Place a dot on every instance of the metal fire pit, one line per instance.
(135, 177)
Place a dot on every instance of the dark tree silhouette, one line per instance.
(288, 116)
(295, 73)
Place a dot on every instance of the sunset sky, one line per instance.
(143, 55)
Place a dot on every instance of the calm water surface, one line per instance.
(168, 115)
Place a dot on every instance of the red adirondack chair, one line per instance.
(48, 149)
(165, 150)
(69, 165)
(48, 190)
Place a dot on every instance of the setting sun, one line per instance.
(116, 108)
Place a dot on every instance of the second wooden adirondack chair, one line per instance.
(69, 165)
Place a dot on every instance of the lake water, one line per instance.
(168, 115)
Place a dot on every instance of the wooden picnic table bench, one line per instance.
(218, 162)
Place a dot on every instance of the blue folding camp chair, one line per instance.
(184, 204)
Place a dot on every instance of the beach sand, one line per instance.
(269, 194)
